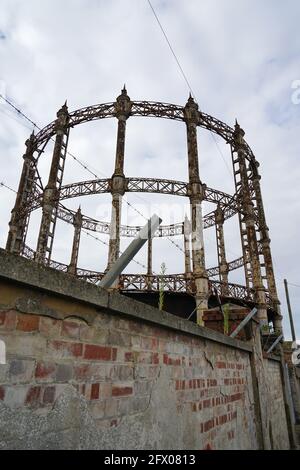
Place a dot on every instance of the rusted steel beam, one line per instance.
(223, 265)
(19, 220)
(187, 247)
(51, 192)
(247, 202)
(248, 232)
(122, 112)
(264, 246)
(196, 195)
(77, 222)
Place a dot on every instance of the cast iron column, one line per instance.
(266, 248)
(223, 265)
(187, 246)
(51, 192)
(77, 222)
(196, 197)
(19, 219)
(118, 182)
(249, 222)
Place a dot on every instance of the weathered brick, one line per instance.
(128, 357)
(49, 395)
(65, 349)
(8, 320)
(111, 408)
(114, 354)
(121, 390)
(100, 371)
(86, 333)
(28, 323)
(144, 357)
(95, 391)
(50, 327)
(25, 345)
(82, 371)
(64, 373)
(155, 358)
(122, 373)
(118, 338)
(70, 329)
(143, 387)
(45, 371)
(105, 390)
(3, 372)
(15, 395)
(33, 396)
(98, 353)
(146, 343)
(21, 371)
(100, 336)
(97, 409)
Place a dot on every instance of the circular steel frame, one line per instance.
(229, 204)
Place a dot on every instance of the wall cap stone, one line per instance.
(17, 269)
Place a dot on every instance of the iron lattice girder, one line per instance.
(172, 282)
(211, 272)
(144, 108)
(229, 203)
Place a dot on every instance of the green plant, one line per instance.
(225, 309)
(163, 269)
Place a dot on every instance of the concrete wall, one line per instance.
(91, 370)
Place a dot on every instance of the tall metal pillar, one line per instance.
(222, 262)
(248, 232)
(118, 182)
(51, 192)
(265, 248)
(187, 246)
(149, 263)
(19, 220)
(196, 197)
(77, 222)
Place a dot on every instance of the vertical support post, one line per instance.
(222, 262)
(248, 232)
(149, 263)
(77, 222)
(51, 192)
(196, 197)
(118, 182)
(289, 309)
(187, 246)
(19, 215)
(265, 247)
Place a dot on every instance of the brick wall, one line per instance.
(275, 407)
(112, 373)
(122, 368)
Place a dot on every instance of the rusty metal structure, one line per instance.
(197, 280)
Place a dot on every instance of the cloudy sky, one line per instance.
(241, 58)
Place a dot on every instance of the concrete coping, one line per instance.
(16, 269)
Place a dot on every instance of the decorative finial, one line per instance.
(238, 129)
(63, 109)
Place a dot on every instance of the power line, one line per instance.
(171, 48)
(83, 165)
(19, 112)
(294, 285)
(185, 77)
(7, 187)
